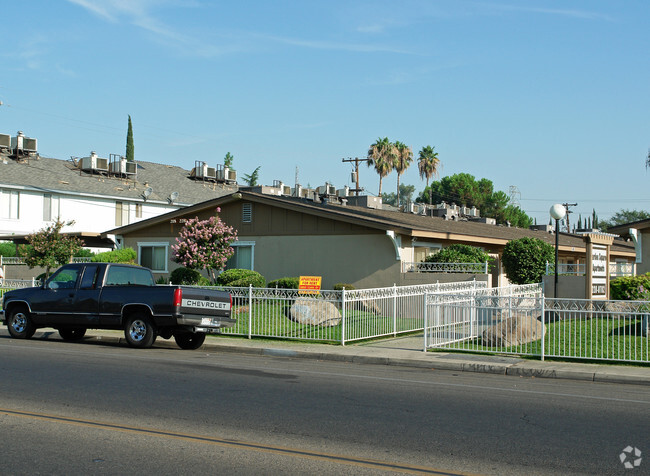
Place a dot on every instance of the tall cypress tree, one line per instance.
(129, 142)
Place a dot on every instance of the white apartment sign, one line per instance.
(599, 272)
(597, 282)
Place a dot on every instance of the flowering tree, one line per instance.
(204, 244)
(49, 248)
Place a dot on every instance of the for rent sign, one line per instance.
(309, 284)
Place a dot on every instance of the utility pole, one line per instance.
(356, 161)
(566, 207)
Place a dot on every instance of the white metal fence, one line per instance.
(518, 321)
(334, 316)
(423, 267)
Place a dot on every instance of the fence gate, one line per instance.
(491, 320)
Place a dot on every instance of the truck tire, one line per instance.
(189, 340)
(19, 323)
(72, 334)
(139, 331)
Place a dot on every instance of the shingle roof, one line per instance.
(55, 175)
(407, 223)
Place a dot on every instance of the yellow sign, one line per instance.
(309, 284)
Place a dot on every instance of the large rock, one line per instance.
(513, 331)
(315, 312)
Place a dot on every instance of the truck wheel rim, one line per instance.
(138, 330)
(19, 322)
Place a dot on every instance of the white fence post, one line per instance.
(343, 316)
(250, 311)
(426, 306)
(394, 310)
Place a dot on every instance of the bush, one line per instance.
(340, 286)
(630, 287)
(284, 283)
(84, 253)
(459, 253)
(8, 249)
(184, 276)
(125, 255)
(524, 260)
(240, 278)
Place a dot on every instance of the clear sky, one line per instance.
(551, 97)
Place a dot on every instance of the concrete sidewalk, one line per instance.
(400, 351)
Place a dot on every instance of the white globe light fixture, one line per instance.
(558, 212)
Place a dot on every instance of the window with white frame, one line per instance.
(422, 249)
(9, 204)
(153, 256)
(50, 207)
(243, 258)
(138, 210)
(121, 213)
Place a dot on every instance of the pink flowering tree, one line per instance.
(204, 244)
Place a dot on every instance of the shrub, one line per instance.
(124, 255)
(161, 280)
(240, 278)
(340, 286)
(284, 283)
(8, 249)
(184, 276)
(459, 253)
(84, 253)
(630, 287)
(525, 260)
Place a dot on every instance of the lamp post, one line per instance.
(557, 212)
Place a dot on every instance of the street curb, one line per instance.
(527, 369)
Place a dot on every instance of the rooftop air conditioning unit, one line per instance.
(221, 172)
(286, 190)
(94, 163)
(343, 192)
(123, 167)
(297, 191)
(331, 190)
(20, 143)
(5, 141)
(210, 172)
(231, 175)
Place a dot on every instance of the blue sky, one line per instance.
(551, 97)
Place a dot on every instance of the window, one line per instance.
(247, 212)
(128, 275)
(138, 210)
(121, 213)
(50, 207)
(421, 250)
(243, 256)
(63, 279)
(89, 279)
(9, 204)
(153, 256)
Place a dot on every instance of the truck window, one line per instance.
(119, 276)
(89, 278)
(64, 279)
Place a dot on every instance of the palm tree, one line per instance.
(402, 161)
(428, 163)
(381, 155)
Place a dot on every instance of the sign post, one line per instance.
(309, 284)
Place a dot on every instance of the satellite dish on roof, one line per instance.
(173, 197)
(147, 192)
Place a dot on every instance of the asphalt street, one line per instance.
(109, 409)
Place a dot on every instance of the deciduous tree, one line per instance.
(49, 248)
(204, 244)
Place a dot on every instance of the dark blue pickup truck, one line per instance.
(117, 296)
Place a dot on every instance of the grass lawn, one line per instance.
(597, 339)
(272, 320)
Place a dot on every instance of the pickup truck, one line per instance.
(85, 296)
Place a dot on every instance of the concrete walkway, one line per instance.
(400, 351)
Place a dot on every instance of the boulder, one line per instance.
(513, 331)
(315, 312)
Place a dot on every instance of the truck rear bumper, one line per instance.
(206, 324)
